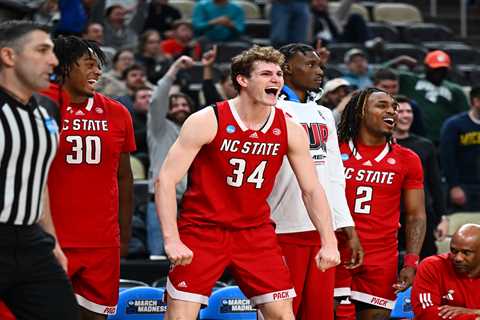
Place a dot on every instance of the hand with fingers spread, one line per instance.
(327, 257)
(178, 253)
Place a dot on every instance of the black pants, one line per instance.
(32, 284)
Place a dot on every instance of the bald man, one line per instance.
(447, 286)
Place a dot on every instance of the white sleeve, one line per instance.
(341, 213)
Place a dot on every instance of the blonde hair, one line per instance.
(242, 64)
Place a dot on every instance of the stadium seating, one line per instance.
(184, 6)
(462, 54)
(393, 50)
(420, 32)
(250, 9)
(384, 30)
(396, 13)
(403, 306)
(140, 303)
(227, 50)
(338, 50)
(228, 303)
(258, 28)
(355, 8)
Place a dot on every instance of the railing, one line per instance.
(463, 15)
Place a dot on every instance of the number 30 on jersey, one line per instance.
(84, 150)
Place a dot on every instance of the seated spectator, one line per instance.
(111, 83)
(134, 77)
(215, 93)
(165, 118)
(181, 42)
(358, 74)
(436, 97)
(141, 102)
(446, 285)
(218, 21)
(387, 80)
(161, 17)
(432, 183)
(289, 22)
(460, 156)
(338, 26)
(151, 57)
(117, 33)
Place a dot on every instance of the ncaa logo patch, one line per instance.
(344, 156)
(230, 128)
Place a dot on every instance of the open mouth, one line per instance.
(271, 91)
(389, 121)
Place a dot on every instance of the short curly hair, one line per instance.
(242, 64)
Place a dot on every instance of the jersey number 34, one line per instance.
(239, 167)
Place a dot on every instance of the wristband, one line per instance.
(411, 260)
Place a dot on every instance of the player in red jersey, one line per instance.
(234, 151)
(90, 182)
(378, 173)
(446, 286)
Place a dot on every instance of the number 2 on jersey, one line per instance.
(239, 166)
(84, 149)
(362, 200)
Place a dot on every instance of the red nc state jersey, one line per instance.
(231, 177)
(83, 181)
(375, 178)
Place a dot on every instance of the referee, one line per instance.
(33, 283)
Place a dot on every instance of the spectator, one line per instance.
(218, 21)
(134, 77)
(165, 117)
(387, 80)
(437, 98)
(47, 13)
(94, 31)
(290, 22)
(213, 93)
(141, 103)
(161, 16)
(117, 33)
(334, 91)
(151, 57)
(460, 155)
(111, 82)
(339, 26)
(358, 74)
(73, 17)
(446, 286)
(434, 199)
(181, 42)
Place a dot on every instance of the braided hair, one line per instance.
(70, 49)
(352, 115)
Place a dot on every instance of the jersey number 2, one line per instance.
(362, 200)
(84, 149)
(240, 165)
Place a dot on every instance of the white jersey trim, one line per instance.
(89, 104)
(373, 300)
(242, 125)
(271, 117)
(273, 296)
(342, 292)
(358, 156)
(95, 307)
(185, 296)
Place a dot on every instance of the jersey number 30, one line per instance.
(239, 166)
(84, 150)
(362, 200)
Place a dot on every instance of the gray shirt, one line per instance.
(161, 133)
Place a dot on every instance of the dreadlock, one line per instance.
(352, 116)
(70, 49)
(291, 49)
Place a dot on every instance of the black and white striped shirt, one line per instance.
(28, 143)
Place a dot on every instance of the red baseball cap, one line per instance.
(438, 59)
